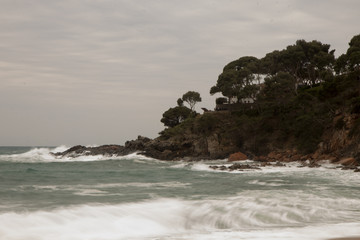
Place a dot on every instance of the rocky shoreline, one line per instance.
(172, 151)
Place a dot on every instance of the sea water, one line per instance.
(134, 197)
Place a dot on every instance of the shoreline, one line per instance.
(346, 238)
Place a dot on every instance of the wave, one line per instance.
(101, 189)
(43, 154)
(241, 217)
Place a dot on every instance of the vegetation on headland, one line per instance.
(297, 98)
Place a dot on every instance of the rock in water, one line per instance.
(239, 156)
(348, 162)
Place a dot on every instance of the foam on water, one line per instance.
(45, 155)
(240, 217)
(172, 200)
(100, 189)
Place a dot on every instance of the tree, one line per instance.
(236, 76)
(353, 53)
(174, 116)
(191, 98)
(351, 60)
(278, 89)
(308, 62)
(180, 102)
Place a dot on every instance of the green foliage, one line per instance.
(191, 98)
(279, 89)
(206, 123)
(308, 131)
(180, 102)
(174, 116)
(179, 130)
(307, 62)
(351, 60)
(353, 53)
(236, 76)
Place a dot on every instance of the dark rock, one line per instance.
(107, 150)
(279, 164)
(314, 164)
(223, 168)
(236, 166)
(349, 168)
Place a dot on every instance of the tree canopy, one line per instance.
(191, 98)
(175, 116)
(308, 63)
(236, 78)
(350, 61)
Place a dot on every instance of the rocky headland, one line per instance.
(299, 104)
(191, 143)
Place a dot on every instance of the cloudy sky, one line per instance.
(104, 71)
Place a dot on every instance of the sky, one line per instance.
(96, 72)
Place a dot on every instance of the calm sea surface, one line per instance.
(134, 197)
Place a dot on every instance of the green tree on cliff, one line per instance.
(174, 116)
(308, 62)
(236, 78)
(191, 98)
(278, 90)
(351, 60)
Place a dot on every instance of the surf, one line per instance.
(240, 217)
(45, 154)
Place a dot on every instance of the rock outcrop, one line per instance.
(238, 156)
(191, 147)
(106, 150)
(213, 136)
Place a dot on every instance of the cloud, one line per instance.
(127, 61)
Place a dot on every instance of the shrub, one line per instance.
(206, 123)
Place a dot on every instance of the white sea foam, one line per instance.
(105, 189)
(45, 155)
(264, 183)
(246, 216)
(327, 170)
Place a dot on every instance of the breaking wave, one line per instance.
(44, 154)
(241, 217)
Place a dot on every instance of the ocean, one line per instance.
(135, 197)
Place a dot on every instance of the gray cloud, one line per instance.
(93, 71)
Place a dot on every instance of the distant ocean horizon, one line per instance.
(135, 197)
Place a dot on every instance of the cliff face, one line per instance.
(340, 139)
(216, 135)
(206, 136)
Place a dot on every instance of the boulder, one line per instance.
(348, 162)
(239, 156)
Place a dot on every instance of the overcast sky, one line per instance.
(104, 71)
